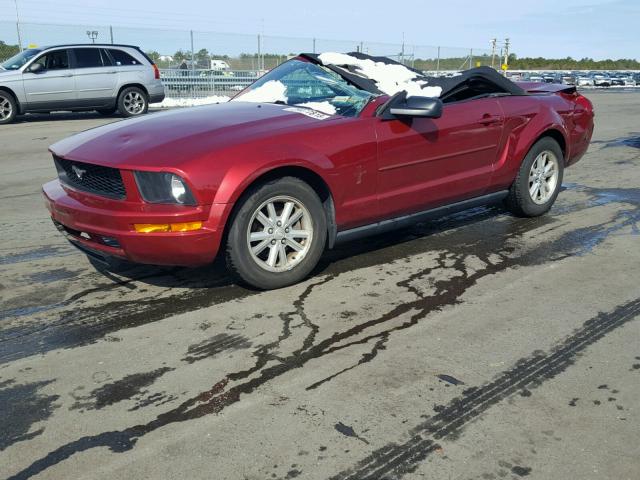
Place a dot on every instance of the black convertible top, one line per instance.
(486, 76)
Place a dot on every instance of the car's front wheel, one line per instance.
(538, 181)
(132, 101)
(277, 234)
(8, 108)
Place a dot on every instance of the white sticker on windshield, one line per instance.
(308, 112)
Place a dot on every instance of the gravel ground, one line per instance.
(479, 346)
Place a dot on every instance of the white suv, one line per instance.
(79, 77)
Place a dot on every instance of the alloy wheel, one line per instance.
(6, 109)
(280, 234)
(543, 177)
(133, 103)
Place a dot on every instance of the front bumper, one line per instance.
(104, 227)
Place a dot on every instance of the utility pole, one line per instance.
(18, 25)
(402, 51)
(506, 54)
(111, 33)
(192, 52)
(438, 62)
(494, 42)
(260, 52)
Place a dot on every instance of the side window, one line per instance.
(122, 58)
(106, 59)
(56, 60)
(87, 57)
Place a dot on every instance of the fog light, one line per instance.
(110, 241)
(167, 227)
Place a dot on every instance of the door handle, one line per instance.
(66, 75)
(488, 119)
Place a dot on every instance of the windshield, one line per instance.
(306, 84)
(17, 61)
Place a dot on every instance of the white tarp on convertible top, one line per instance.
(389, 78)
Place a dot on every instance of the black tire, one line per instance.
(124, 102)
(106, 111)
(8, 107)
(520, 201)
(240, 261)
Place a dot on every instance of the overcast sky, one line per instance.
(551, 28)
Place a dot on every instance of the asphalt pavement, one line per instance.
(478, 346)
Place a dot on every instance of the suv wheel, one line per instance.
(132, 102)
(8, 108)
(538, 181)
(278, 234)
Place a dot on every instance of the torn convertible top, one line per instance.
(448, 84)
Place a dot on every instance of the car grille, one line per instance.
(90, 178)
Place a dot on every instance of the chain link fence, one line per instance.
(197, 64)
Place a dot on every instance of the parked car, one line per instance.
(585, 81)
(617, 80)
(312, 154)
(79, 77)
(601, 80)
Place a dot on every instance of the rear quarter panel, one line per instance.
(527, 118)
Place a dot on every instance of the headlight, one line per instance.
(163, 187)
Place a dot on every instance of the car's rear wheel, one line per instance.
(8, 108)
(538, 182)
(277, 235)
(132, 102)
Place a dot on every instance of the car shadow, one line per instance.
(344, 257)
(68, 116)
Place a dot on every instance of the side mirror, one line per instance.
(429, 107)
(36, 68)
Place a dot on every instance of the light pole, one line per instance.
(18, 25)
(92, 34)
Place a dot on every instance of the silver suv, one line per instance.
(79, 77)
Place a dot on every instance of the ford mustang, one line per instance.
(322, 149)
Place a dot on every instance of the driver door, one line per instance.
(54, 86)
(428, 162)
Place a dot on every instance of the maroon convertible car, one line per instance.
(323, 148)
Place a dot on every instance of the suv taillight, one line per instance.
(156, 72)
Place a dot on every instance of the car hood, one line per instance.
(9, 74)
(173, 138)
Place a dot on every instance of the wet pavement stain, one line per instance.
(348, 431)
(36, 254)
(632, 140)
(22, 407)
(155, 399)
(521, 471)
(54, 275)
(450, 379)
(497, 243)
(214, 346)
(124, 389)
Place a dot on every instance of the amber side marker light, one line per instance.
(167, 227)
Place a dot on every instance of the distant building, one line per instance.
(165, 58)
